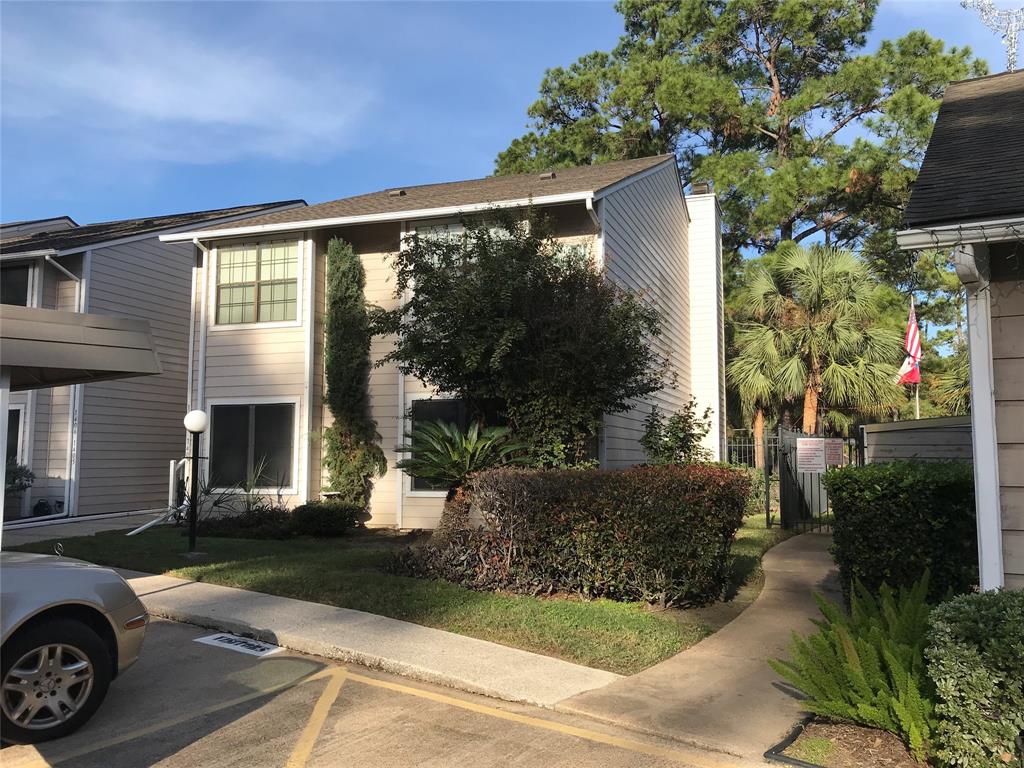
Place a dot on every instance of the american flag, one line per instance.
(910, 371)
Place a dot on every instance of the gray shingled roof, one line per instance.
(974, 166)
(492, 189)
(88, 234)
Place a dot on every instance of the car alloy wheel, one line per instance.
(47, 685)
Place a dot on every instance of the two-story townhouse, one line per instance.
(257, 360)
(104, 447)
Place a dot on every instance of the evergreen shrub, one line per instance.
(975, 657)
(895, 521)
(658, 534)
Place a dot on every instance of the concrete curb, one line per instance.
(398, 647)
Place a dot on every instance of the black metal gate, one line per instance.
(803, 500)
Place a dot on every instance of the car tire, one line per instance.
(62, 669)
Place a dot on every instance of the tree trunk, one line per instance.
(759, 439)
(810, 418)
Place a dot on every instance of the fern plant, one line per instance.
(867, 666)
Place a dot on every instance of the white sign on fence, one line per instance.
(835, 452)
(810, 454)
(240, 644)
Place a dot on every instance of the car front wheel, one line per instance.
(55, 675)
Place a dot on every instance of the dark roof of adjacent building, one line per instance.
(89, 234)
(492, 189)
(974, 166)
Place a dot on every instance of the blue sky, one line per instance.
(112, 111)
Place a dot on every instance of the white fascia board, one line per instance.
(147, 235)
(622, 183)
(11, 255)
(376, 218)
(990, 230)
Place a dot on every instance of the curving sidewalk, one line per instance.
(721, 694)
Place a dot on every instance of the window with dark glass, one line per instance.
(457, 412)
(252, 443)
(14, 279)
(13, 431)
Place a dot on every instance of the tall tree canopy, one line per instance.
(803, 133)
(505, 316)
(811, 334)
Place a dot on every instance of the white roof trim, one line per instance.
(11, 255)
(373, 218)
(988, 230)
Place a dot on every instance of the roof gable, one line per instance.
(974, 166)
(391, 203)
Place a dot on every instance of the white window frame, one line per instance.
(211, 288)
(207, 442)
(407, 485)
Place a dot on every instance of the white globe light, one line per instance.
(196, 421)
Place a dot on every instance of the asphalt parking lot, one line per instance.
(186, 704)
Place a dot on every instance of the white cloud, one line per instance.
(143, 86)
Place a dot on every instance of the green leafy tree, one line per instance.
(677, 439)
(812, 331)
(352, 453)
(803, 131)
(508, 319)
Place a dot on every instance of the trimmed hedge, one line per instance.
(326, 518)
(895, 521)
(320, 519)
(659, 534)
(975, 658)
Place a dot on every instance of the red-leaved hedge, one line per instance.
(660, 534)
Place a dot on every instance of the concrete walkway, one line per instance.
(720, 694)
(422, 653)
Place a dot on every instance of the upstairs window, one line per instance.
(14, 281)
(257, 283)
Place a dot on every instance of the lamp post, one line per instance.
(195, 422)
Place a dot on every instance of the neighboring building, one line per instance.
(258, 352)
(104, 446)
(969, 199)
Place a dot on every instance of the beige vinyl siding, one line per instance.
(1008, 373)
(258, 362)
(646, 250)
(131, 429)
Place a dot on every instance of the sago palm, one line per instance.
(819, 309)
(444, 455)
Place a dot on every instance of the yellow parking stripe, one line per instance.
(688, 758)
(37, 761)
(317, 718)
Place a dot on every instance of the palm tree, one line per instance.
(753, 372)
(814, 312)
(952, 388)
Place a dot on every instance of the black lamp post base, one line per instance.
(195, 556)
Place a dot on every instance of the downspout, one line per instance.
(971, 263)
(200, 401)
(400, 505)
(71, 458)
(595, 216)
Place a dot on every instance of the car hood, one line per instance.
(28, 560)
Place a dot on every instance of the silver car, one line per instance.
(69, 628)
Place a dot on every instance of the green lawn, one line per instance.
(621, 637)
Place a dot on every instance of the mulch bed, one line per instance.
(854, 746)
